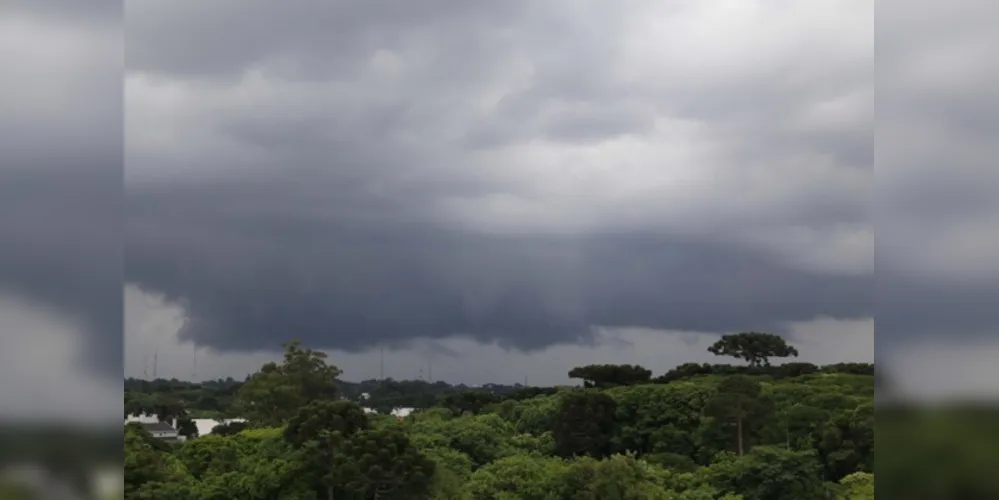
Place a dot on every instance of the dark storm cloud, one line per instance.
(62, 247)
(355, 174)
(249, 282)
(61, 166)
(938, 265)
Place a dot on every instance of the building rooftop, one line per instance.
(157, 427)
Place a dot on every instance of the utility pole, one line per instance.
(155, 354)
(382, 361)
(430, 371)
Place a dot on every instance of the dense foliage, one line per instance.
(699, 432)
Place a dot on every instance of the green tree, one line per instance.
(186, 427)
(484, 438)
(768, 473)
(319, 419)
(739, 401)
(147, 438)
(150, 473)
(755, 347)
(254, 465)
(168, 408)
(660, 418)
(228, 428)
(520, 477)
(381, 464)
(800, 422)
(275, 393)
(468, 401)
(210, 455)
(846, 444)
(603, 376)
(856, 486)
(532, 415)
(134, 404)
(320, 430)
(584, 424)
(802, 431)
(452, 470)
(617, 477)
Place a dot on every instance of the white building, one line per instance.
(205, 425)
(162, 430)
(159, 430)
(145, 418)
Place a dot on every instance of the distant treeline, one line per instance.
(756, 432)
(786, 370)
(215, 398)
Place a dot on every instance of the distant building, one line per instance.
(205, 426)
(161, 430)
(152, 425)
(145, 418)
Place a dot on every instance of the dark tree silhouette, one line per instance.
(755, 347)
(381, 463)
(468, 401)
(584, 424)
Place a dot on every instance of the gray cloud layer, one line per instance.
(61, 169)
(520, 169)
(354, 173)
(938, 270)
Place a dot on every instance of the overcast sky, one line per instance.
(60, 209)
(509, 189)
(496, 183)
(504, 189)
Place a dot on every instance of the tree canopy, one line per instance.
(698, 432)
(755, 347)
(276, 392)
(604, 376)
